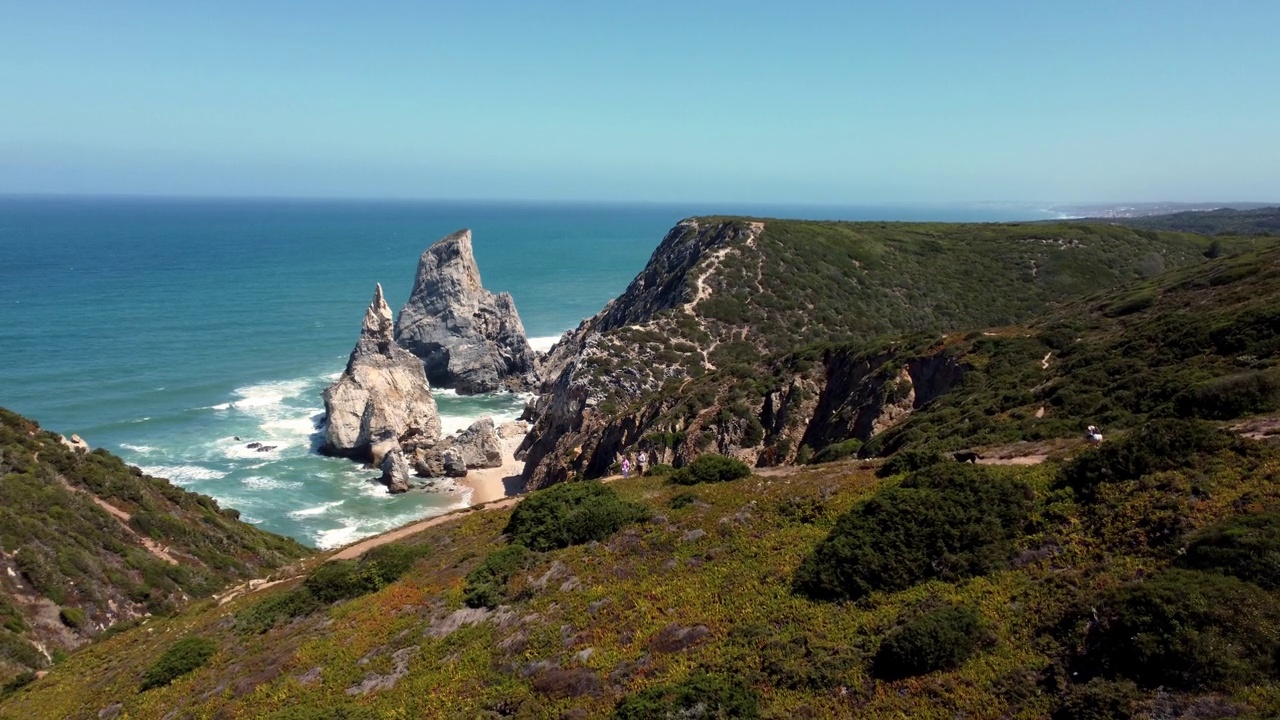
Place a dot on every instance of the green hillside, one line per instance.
(1130, 582)
(87, 542)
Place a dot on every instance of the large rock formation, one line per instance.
(468, 338)
(383, 398)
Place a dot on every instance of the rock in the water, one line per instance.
(454, 465)
(395, 471)
(383, 398)
(479, 446)
(467, 337)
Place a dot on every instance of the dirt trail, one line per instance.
(152, 546)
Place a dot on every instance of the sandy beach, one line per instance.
(492, 484)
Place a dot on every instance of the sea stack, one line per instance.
(383, 398)
(468, 338)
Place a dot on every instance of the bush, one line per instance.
(939, 640)
(184, 656)
(570, 514)
(1154, 447)
(1227, 398)
(711, 468)
(344, 579)
(1244, 546)
(702, 695)
(837, 451)
(1099, 700)
(683, 499)
(950, 522)
(802, 662)
(259, 618)
(486, 585)
(18, 682)
(338, 712)
(909, 461)
(72, 617)
(1183, 630)
(659, 470)
(15, 649)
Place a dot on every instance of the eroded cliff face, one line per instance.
(642, 374)
(468, 338)
(383, 398)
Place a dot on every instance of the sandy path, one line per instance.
(355, 550)
(152, 546)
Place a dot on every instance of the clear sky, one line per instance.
(824, 102)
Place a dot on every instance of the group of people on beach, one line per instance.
(636, 462)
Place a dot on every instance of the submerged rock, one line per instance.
(468, 338)
(383, 397)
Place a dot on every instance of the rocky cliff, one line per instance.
(754, 338)
(382, 399)
(468, 338)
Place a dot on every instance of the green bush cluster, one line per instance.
(938, 640)
(702, 695)
(331, 582)
(684, 499)
(1185, 630)
(186, 655)
(15, 649)
(570, 514)
(1153, 447)
(1232, 396)
(487, 583)
(72, 617)
(1244, 546)
(659, 470)
(909, 461)
(950, 521)
(837, 451)
(1099, 699)
(709, 469)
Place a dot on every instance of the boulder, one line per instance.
(75, 443)
(383, 397)
(395, 471)
(454, 465)
(468, 338)
(479, 446)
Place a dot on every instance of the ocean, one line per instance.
(164, 329)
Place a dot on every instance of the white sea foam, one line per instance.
(259, 482)
(184, 473)
(292, 426)
(144, 449)
(221, 406)
(317, 510)
(544, 344)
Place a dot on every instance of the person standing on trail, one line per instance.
(641, 460)
(626, 467)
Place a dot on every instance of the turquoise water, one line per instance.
(162, 329)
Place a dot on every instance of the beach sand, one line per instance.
(491, 484)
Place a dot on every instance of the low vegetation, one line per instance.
(184, 656)
(710, 468)
(570, 514)
(941, 639)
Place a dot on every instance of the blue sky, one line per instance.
(822, 102)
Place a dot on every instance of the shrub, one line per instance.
(939, 640)
(1155, 446)
(344, 579)
(951, 521)
(837, 451)
(802, 662)
(683, 499)
(1244, 546)
(909, 461)
(659, 470)
(570, 514)
(15, 649)
(713, 697)
(486, 585)
(71, 617)
(18, 682)
(711, 468)
(1098, 700)
(338, 712)
(804, 509)
(184, 656)
(259, 618)
(1184, 630)
(1229, 397)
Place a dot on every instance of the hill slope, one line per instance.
(87, 542)
(1224, 221)
(686, 359)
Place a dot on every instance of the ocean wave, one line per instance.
(353, 529)
(183, 473)
(545, 343)
(317, 510)
(259, 482)
(143, 449)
